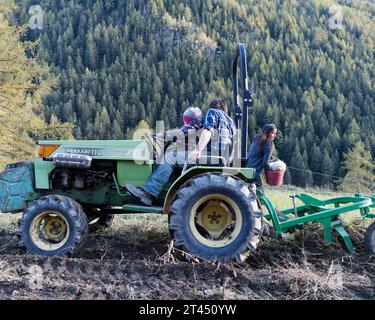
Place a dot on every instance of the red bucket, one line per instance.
(274, 178)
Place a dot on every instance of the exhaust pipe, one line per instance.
(68, 160)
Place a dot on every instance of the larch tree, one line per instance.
(23, 83)
(20, 88)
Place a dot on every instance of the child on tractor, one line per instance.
(184, 139)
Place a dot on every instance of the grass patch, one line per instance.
(280, 195)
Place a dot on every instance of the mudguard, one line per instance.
(16, 186)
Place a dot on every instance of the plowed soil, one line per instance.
(133, 262)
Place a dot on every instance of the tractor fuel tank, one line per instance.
(16, 186)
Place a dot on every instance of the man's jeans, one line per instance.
(163, 171)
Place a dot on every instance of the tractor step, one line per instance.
(133, 208)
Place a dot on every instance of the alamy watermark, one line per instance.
(336, 19)
(16, 271)
(223, 146)
(36, 20)
(35, 277)
(335, 277)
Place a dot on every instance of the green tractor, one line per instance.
(73, 187)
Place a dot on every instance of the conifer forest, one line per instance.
(112, 63)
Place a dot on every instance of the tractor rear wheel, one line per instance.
(216, 217)
(53, 226)
(370, 238)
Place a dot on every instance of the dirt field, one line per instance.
(131, 261)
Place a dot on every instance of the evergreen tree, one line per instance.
(360, 176)
(301, 175)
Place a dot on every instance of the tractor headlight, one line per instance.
(45, 150)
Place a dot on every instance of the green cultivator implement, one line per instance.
(72, 188)
(326, 212)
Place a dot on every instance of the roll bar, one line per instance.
(241, 114)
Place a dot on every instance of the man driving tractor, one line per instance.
(216, 139)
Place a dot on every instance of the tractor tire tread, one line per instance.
(204, 184)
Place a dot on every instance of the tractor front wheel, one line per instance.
(216, 217)
(370, 238)
(53, 226)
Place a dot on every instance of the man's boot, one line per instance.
(143, 196)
